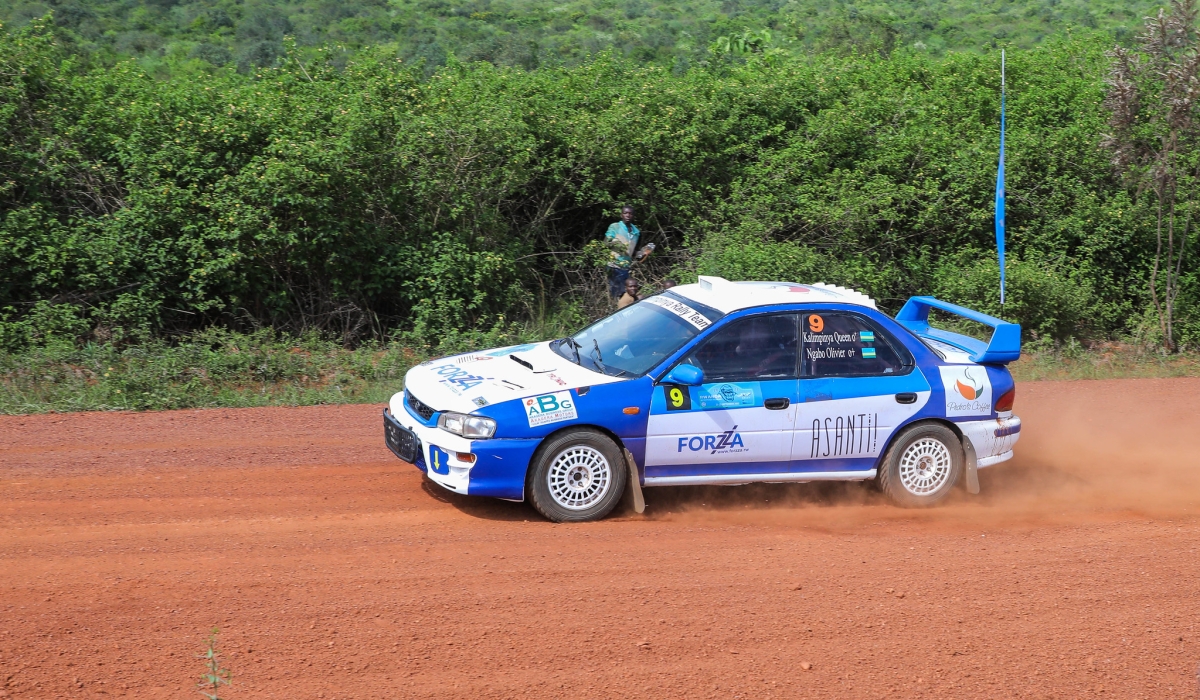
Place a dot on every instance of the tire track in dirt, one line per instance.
(335, 571)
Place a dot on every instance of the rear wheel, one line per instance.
(922, 465)
(577, 476)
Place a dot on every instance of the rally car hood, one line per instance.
(466, 383)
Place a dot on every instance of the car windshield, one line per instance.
(638, 337)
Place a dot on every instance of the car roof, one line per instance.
(726, 296)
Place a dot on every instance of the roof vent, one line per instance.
(708, 283)
(851, 296)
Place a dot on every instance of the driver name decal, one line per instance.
(550, 408)
(833, 345)
(681, 310)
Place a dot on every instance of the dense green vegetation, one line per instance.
(356, 194)
(531, 33)
(165, 34)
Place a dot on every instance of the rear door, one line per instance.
(858, 386)
(740, 420)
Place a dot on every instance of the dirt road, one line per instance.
(334, 571)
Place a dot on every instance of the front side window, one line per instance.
(838, 344)
(750, 349)
(638, 337)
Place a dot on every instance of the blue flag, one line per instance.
(1000, 185)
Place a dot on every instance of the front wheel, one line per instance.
(922, 465)
(577, 476)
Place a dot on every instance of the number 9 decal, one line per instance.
(816, 324)
(678, 398)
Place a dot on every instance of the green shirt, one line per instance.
(622, 240)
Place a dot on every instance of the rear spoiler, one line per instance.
(1004, 347)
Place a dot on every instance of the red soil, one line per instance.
(334, 571)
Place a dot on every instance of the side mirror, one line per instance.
(687, 375)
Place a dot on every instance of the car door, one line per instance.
(858, 385)
(740, 420)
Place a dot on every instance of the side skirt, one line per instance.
(736, 479)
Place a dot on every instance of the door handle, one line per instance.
(906, 397)
(777, 404)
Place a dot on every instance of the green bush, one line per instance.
(355, 195)
(1048, 303)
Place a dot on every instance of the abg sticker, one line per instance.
(550, 408)
(678, 398)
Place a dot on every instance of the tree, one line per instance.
(1152, 102)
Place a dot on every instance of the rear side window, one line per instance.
(839, 344)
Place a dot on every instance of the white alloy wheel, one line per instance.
(579, 477)
(925, 466)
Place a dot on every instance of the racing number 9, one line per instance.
(678, 398)
(816, 324)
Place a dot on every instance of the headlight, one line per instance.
(467, 426)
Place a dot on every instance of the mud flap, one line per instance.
(635, 483)
(971, 467)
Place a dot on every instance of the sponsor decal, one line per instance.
(550, 408)
(466, 359)
(510, 350)
(557, 380)
(678, 398)
(844, 435)
(457, 379)
(968, 390)
(727, 395)
(479, 401)
(728, 442)
(681, 310)
(439, 460)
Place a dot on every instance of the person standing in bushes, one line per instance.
(631, 295)
(622, 240)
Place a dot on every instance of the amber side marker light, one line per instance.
(1005, 402)
(465, 457)
(631, 411)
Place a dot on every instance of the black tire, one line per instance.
(922, 466)
(577, 476)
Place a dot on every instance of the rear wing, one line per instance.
(1004, 347)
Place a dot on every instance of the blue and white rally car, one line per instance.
(717, 383)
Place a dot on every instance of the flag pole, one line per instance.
(1000, 184)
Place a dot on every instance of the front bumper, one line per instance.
(437, 451)
(992, 439)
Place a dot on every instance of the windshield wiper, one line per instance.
(574, 346)
(598, 357)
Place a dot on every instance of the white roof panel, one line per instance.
(726, 296)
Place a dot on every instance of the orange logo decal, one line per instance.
(970, 391)
(816, 324)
